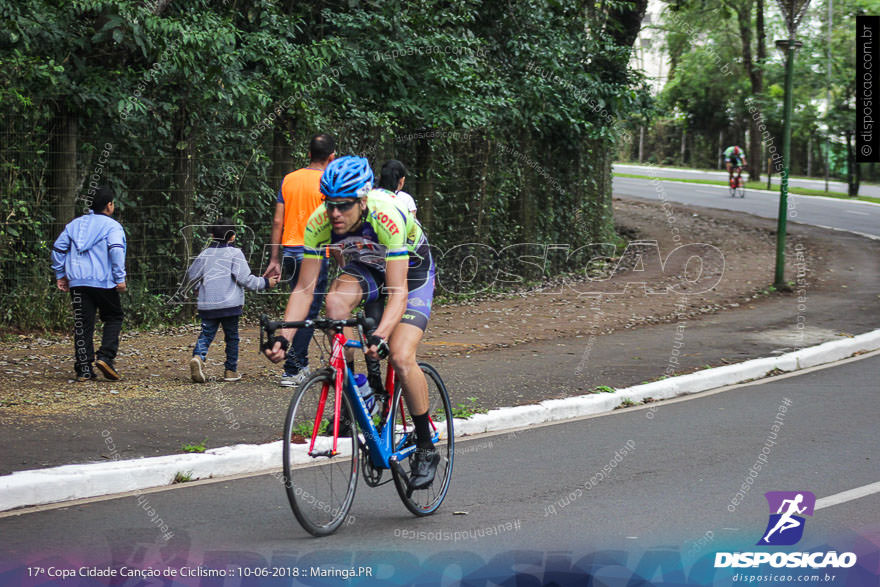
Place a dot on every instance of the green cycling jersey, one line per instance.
(387, 232)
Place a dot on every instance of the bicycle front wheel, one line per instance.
(320, 485)
(423, 502)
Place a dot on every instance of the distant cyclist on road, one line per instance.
(734, 157)
(387, 256)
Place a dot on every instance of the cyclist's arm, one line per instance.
(395, 282)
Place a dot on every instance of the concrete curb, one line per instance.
(68, 482)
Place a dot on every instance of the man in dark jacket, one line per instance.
(89, 262)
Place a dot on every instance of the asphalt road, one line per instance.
(667, 502)
(813, 184)
(855, 216)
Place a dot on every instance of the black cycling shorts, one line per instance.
(419, 282)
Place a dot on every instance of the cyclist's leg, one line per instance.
(407, 335)
(357, 283)
(403, 343)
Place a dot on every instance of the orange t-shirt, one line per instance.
(300, 193)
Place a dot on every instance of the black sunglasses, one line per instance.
(340, 206)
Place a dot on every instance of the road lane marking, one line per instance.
(859, 213)
(845, 496)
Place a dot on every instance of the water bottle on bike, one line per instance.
(366, 392)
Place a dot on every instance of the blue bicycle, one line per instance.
(330, 434)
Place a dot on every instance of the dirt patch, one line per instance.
(648, 285)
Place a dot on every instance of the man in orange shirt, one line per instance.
(297, 199)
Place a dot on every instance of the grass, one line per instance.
(758, 185)
(304, 429)
(715, 169)
(627, 403)
(181, 477)
(200, 447)
(603, 389)
(468, 409)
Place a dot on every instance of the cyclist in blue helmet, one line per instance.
(386, 258)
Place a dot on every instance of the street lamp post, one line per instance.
(789, 47)
(793, 11)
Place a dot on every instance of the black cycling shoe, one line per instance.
(423, 467)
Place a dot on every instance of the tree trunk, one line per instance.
(527, 207)
(641, 144)
(63, 176)
(282, 163)
(425, 184)
(810, 157)
(598, 222)
(484, 174)
(753, 68)
(853, 177)
(683, 146)
(184, 193)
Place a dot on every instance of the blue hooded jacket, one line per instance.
(90, 252)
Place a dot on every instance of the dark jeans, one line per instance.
(87, 301)
(298, 353)
(230, 332)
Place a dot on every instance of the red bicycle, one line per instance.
(736, 183)
(330, 433)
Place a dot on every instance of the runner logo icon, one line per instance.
(786, 524)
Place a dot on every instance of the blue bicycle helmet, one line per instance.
(346, 177)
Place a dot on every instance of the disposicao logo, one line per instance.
(785, 528)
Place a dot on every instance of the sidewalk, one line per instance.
(522, 375)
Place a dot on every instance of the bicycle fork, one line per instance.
(337, 363)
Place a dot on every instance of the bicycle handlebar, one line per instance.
(270, 326)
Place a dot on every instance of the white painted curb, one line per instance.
(57, 484)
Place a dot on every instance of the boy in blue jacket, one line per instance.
(89, 262)
(221, 273)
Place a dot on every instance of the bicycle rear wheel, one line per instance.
(423, 502)
(320, 486)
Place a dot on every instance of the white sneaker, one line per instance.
(197, 369)
(288, 380)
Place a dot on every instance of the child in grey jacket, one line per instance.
(221, 273)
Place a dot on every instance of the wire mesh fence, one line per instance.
(472, 190)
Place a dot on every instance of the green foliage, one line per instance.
(195, 110)
(304, 429)
(603, 389)
(182, 477)
(467, 409)
(709, 92)
(194, 447)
